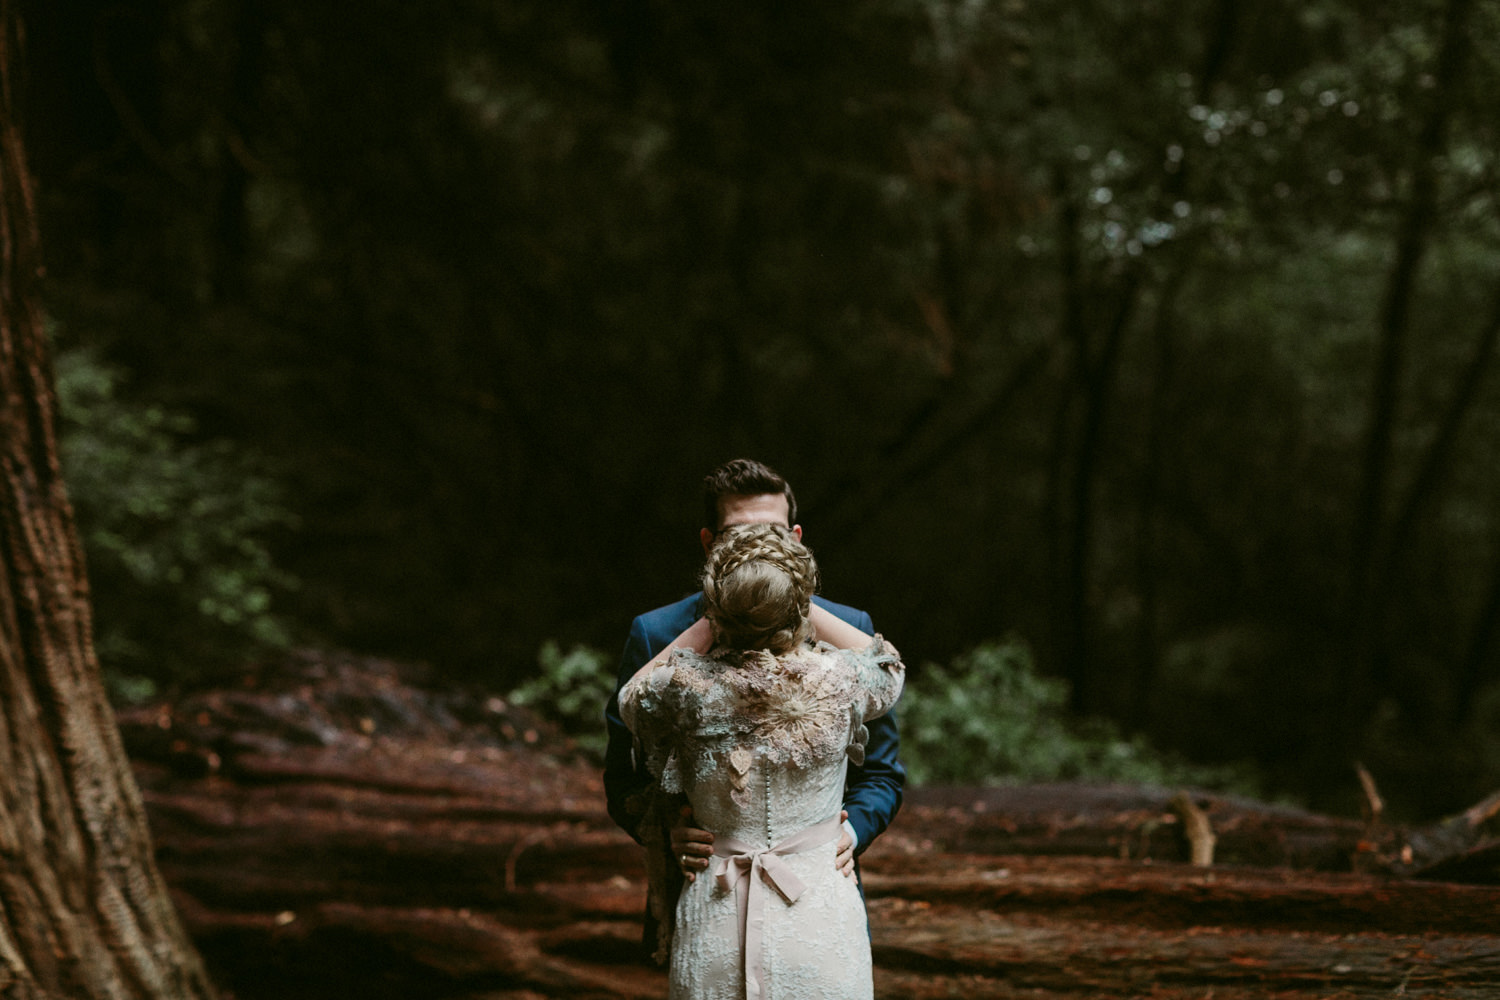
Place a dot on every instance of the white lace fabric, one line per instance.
(760, 748)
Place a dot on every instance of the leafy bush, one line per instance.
(989, 718)
(571, 690)
(175, 532)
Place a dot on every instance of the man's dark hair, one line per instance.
(743, 477)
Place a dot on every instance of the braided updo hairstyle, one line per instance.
(757, 588)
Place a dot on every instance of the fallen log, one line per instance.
(937, 950)
(332, 829)
(1127, 822)
(1174, 895)
(1145, 823)
(1462, 848)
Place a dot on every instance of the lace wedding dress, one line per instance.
(759, 745)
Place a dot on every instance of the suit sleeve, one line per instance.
(872, 794)
(625, 775)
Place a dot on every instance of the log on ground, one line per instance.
(332, 829)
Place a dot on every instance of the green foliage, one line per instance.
(987, 718)
(571, 690)
(175, 532)
(990, 718)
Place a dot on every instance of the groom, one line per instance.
(744, 492)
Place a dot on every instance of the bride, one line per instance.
(753, 714)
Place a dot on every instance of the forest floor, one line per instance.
(331, 828)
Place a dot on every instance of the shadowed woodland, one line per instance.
(1157, 339)
(1161, 336)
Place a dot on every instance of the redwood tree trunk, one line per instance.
(83, 911)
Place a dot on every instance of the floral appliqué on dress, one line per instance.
(736, 714)
(697, 712)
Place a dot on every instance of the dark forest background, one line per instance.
(1159, 334)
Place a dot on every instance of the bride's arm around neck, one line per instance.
(837, 632)
(698, 637)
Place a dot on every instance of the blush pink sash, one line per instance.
(746, 870)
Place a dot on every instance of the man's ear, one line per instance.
(706, 536)
(797, 530)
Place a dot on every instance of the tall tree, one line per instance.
(83, 910)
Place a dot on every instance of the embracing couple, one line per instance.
(752, 753)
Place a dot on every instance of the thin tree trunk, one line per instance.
(83, 912)
(1073, 334)
(1222, 33)
(1438, 459)
(1096, 380)
(1361, 678)
(1436, 463)
(1481, 649)
(1099, 389)
(1148, 651)
(231, 214)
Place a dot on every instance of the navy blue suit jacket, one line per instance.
(872, 791)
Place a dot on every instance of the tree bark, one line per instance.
(83, 912)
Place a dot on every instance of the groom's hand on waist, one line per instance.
(691, 846)
(845, 857)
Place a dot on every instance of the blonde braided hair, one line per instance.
(758, 584)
